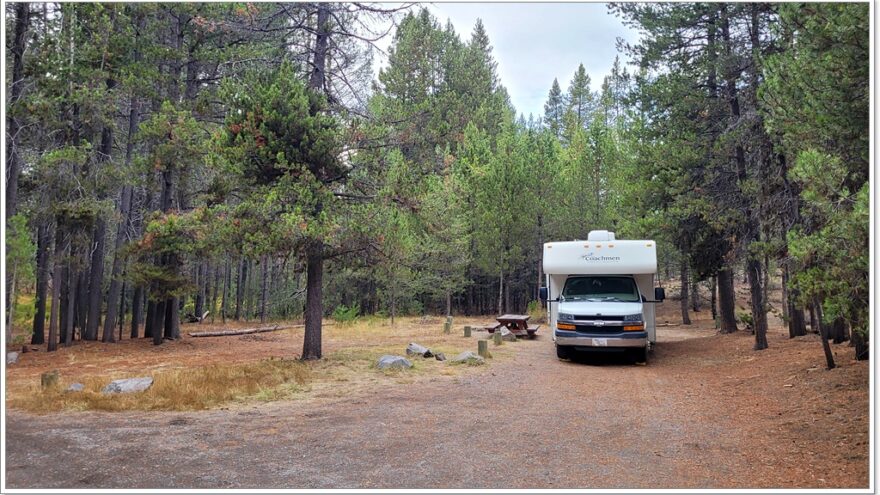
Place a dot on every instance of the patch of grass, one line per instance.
(175, 390)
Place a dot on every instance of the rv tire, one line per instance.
(562, 352)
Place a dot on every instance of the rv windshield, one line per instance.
(619, 289)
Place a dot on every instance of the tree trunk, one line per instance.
(67, 335)
(838, 331)
(794, 316)
(695, 294)
(227, 280)
(861, 345)
(264, 288)
(759, 314)
(714, 301)
(501, 292)
(823, 332)
(10, 315)
(13, 159)
(151, 316)
(814, 322)
(159, 318)
(55, 312)
(42, 283)
(113, 293)
(96, 275)
(218, 273)
(314, 307)
(315, 251)
(239, 287)
(199, 305)
(136, 307)
(726, 301)
(172, 318)
(685, 281)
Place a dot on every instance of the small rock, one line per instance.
(414, 349)
(128, 385)
(11, 357)
(440, 356)
(75, 387)
(507, 335)
(393, 362)
(468, 357)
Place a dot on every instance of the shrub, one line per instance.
(345, 314)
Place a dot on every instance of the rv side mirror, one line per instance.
(542, 294)
(659, 294)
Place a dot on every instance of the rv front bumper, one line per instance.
(583, 339)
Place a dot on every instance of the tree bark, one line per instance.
(714, 299)
(823, 332)
(96, 276)
(151, 314)
(794, 314)
(314, 304)
(264, 288)
(159, 317)
(55, 312)
(685, 281)
(137, 305)
(759, 314)
(695, 294)
(13, 160)
(239, 287)
(726, 301)
(42, 283)
(67, 336)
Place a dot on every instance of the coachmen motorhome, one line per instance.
(598, 294)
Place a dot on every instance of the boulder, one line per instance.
(507, 335)
(440, 356)
(414, 349)
(468, 357)
(128, 385)
(11, 357)
(75, 387)
(388, 362)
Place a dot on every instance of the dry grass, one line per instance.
(177, 390)
(202, 373)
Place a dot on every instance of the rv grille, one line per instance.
(599, 330)
(597, 317)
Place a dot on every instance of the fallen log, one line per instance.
(224, 333)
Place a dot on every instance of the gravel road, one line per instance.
(529, 422)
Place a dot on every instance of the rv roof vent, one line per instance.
(600, 235)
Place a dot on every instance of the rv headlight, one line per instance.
(635, 317)
(566, 317)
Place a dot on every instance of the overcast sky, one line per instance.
(535, 42)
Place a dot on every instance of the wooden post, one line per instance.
(467, 331)
(49, 379)
(483, 348)
(497, 337)
(447, 327)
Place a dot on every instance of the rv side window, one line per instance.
(620, 289)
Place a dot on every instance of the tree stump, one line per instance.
(467, 331)
(483, 348)
(496, 337)
(49, 379)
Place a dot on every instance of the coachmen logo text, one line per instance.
(600, 259)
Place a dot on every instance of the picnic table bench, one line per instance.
(517, 324)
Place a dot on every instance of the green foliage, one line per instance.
(345, 314)
(20, 251)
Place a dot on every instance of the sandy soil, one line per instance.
(706, 412)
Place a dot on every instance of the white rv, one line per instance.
(600, 294)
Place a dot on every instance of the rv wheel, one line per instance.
(642, 355)
(562, 352)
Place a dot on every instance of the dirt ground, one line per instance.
(707, 411)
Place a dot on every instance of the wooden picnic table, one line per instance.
(517, 324)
